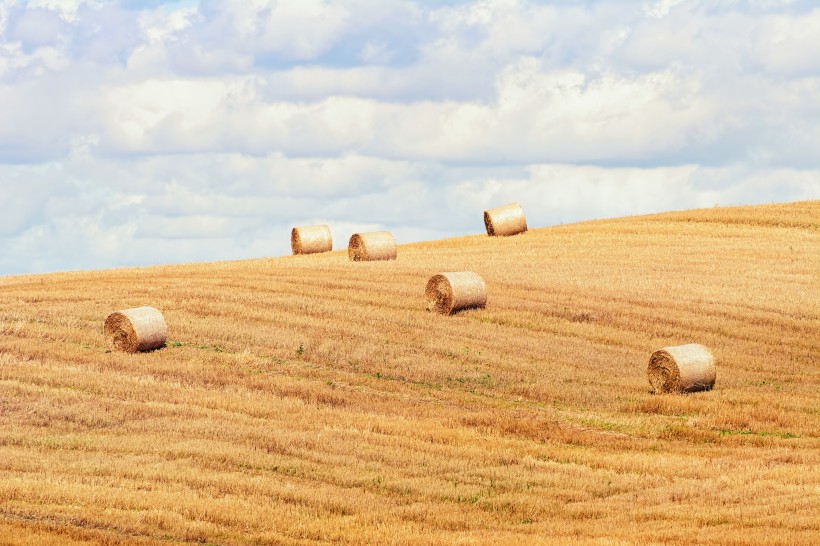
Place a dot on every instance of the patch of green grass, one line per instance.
(215, 348)
(732, 432)
(749, 432)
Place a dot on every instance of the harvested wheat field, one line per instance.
(308, 399)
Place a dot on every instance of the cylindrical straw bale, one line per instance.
(447, 293)
(377, 245)
(135, 330)
(506, 220)
(311, 239)
(684, 368)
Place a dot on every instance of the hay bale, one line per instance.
(377, 245)
(135, 330)
(447, 293)
(685, 368)
(311, 239)
(506, 220)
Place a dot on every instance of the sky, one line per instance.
(140, 133)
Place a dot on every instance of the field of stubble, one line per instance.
(313, 400)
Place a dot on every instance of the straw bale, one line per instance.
(447, 293)
(377, 245)
(684, 368)
(311, 239)
(135, 330)
(506, 220)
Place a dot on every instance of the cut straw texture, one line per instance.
(684, 368)
(506, 220)
(136, 330)
(311, 239)
(448, 293)
(377, 245)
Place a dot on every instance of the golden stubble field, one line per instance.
(313, 400)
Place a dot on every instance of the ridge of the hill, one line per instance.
(799, 214)
(309, 399)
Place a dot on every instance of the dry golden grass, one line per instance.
(308, 399)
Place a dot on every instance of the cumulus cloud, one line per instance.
(135, 133)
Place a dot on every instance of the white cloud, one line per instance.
(789, 44)
(160, 26)
(535, 117)
(67, 9)
(296, 29)
(660, 8)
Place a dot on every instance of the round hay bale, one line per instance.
(506, 220)
(311, 239)
(377, 245)
(136, 330)
(447, 293)
(684, 368)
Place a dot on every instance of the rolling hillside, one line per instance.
(309, 399)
